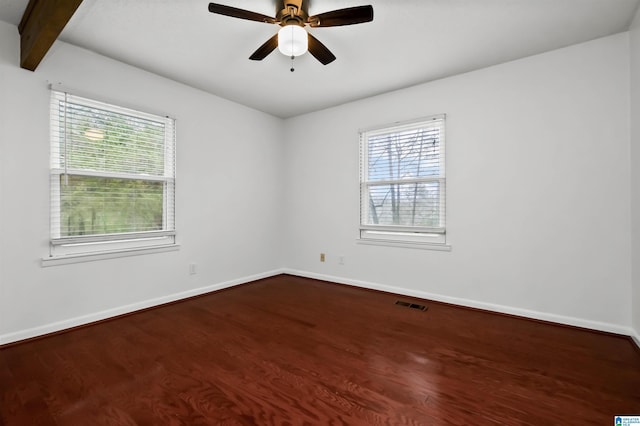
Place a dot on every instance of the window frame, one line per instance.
(96, 246)
(434, 238)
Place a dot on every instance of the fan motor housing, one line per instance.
(292, 12)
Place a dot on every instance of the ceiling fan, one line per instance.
(292, 15)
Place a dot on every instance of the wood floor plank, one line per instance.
(294, 351)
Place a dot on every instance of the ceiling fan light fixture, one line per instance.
(293, 40)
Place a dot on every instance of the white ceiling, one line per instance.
(408, 42)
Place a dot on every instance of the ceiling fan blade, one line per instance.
(234, 12)
(348, 16)
(264, 50)
(320, 51)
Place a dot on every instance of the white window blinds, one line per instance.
(112, 172)
(402, 185)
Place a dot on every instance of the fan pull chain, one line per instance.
(292, 55)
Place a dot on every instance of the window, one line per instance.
(402, 183)
(112, 177)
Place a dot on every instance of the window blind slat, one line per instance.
(112, 171)
(403, 177)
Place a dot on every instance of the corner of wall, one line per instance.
(634, 112)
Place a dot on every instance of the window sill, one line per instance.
(405, 244)
(102, 255)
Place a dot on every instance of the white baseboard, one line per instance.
(635, 336)
(110, 313)
(544, 316)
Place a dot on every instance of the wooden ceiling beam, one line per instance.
(41, 24)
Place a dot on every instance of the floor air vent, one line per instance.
(411, 305)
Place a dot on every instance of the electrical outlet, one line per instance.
(321, 257)
(192, 269)
(341, 260)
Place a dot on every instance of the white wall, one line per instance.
(228, 194)
(537, 190)
(635, 169)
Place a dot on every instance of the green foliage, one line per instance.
(101, 142)
(95, 205)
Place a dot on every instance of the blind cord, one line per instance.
(66, 112)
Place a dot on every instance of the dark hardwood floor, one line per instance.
(292, 351)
